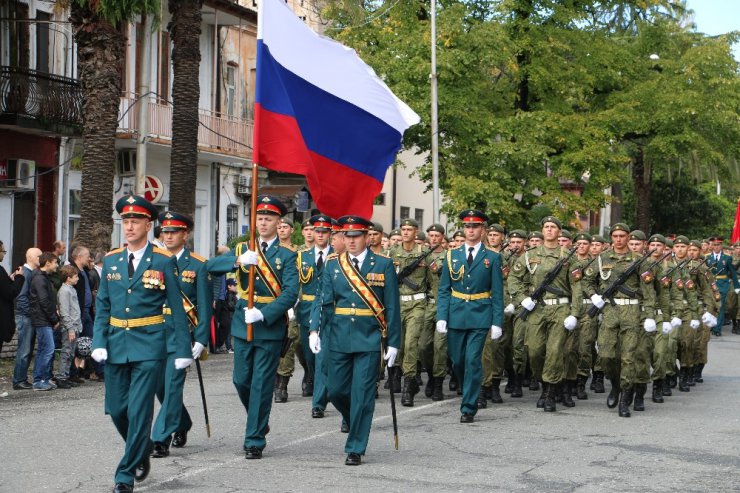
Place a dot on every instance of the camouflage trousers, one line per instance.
(587, 330)
(497, 354)
(620, 337)
(413, 315)
(432, 344)
(546, 338)
(286, 367)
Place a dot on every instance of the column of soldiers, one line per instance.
(545, 308)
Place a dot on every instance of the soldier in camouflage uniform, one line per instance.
(375, 239)
(517, 240)
(550, 323)
(432, 344)
(599, 244)
(708, 305)
(580, 349)
(623, 318)
(413, 291)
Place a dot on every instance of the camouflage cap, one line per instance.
(681, 240)
(619, 227)
(551, 219)
(598, 239)
(496, 227)
(376, 227)
(437, 228)
(638, 235)
(583, 236)
(536, 234)
(564, 233)
(395, 232)
(458, 233)
(409, 222)
(518, 233)
(695, 243)
(657, 238)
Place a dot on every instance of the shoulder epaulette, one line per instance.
(490, 248)
(198, 257)
(332, 256)
(384, 255)
(113, 252)
(162, 251)
(304, 248)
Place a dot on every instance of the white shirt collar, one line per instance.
(476, 248)
(360, 258)
(137, 254)
(316, 251)
(269, 242)
(179, 254)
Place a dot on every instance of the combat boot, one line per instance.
(541, 400)
(558, 392)
(510, 381)
(581, 388)
(429, 388)
(683, 384)
(281, 392)
(640, 389)
(397, 373)
(308, 388)
(690, 376)
(613, 398)
(407, 394)
(488, 391)
(624, 403)
(419, 381)
(658, 391)
(438, 395)
(495, 394)
(599, 382)
(517, 389)
(482, 401)
(667, 392)
(673, 379)
(534, 385)
(549, 404)
(697, 373)
(568, 393)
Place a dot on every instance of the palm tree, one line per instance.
(184, 29)
(98, 26)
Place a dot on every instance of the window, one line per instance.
(42, 42)
(232, 222)
(75, 207)
(231, 89)
(419, 216)
(405, 211)
(163, 81)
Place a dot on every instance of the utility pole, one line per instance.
(435, 132)
(143, 102)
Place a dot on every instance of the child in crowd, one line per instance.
(70, 323)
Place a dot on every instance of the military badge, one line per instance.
(647, 277)
(505, 271)
(576, 274)
(679, 283)
(589, 272)
(153, 279)
(517, 267)
(278, 264)
(486, 262)
(665, 281)
(690, 284)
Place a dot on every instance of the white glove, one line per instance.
(496, 332)
(528, 304)
(248, 258)
(597, 300)
(182, 363)
(709, 320)
(442, 326)
(314, 343)
(100, 354)
(694, 324)
(667, 328)
(713, 322)
(509, 309)
(197, 350)
(570, 322)
(291, 314)
(253, 315)
(676, 322)
(390, 355)
(649, 325)
(737, 290)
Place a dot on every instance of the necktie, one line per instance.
(470, 255)
(357, 264)
(320, 261)
(264, 246)
(131, 265)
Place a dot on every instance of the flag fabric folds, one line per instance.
(736, 227)
(321, 112)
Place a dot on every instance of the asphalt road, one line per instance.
(62, 441)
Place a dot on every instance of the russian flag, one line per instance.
(321, 112)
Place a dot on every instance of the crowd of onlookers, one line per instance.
(50, 303)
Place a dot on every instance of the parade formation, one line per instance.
(545, 310)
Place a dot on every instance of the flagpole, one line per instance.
(252, 246)
(435, 143)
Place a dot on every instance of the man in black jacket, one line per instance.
(80, 258)
(44, 320)
(10, 287)
(23, 323)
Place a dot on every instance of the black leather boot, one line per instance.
(281, 392)
(397, 374)
(624, 403)
(690, 376)
(495, 394)
(683, 384)
(673, 379)
(438, 395)
(613, 398)
(658, 391)
(429, 388)
(568, 393)
(559, 392)
(667, 392)
(308, 388)
(510, 378)
(640, 389)
(599, 382)
(534, 385)
(488, 391)
(549, 405)
(581, 393)
(407, 396)
(541, 400)
(517, 390)
(482, 401)
(697, 372)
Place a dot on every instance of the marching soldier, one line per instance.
(307, 232)
(683, 309)
(310, 264)
(195, 284)
(131, 337)
(375, 238)
(550, 324)
(458, 238)
(535, 239)
(724, 272)
(623, 317)
(517, 239)
(637, 243)
(708, 304)
(581, 356)
(470, 306)
(275, 292)
(663, 315)
(413, 287)
(599, 244)
(361, 289)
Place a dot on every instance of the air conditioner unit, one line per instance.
(244, 187)
(19, 173)
(126, 162)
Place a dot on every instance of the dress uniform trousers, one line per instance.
(173, 416)
(432, 344)
(465, 347)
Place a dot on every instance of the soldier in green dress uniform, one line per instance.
(131, 337)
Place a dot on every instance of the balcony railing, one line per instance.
(217, 134)
(47, 98)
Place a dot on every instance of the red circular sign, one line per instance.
(153, 189)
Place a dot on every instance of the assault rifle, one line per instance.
(406, 272)
(549, 278)
(612, 290)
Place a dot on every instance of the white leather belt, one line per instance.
(625, 301)
(431, 300)
(413, 297)
(556, 301)
(659, 311)
(588, 302)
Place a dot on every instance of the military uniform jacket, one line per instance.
(533, 266)
(723, 269)
(707, 293)
(435, 260)
(274, 311)
(139, 298)
(662, 286)
(420, 276)
(683, 293)
(309, 277)
(458, 281)
(195, 283)
(608, 267)
(352, 333)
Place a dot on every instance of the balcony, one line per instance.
(39, 101)
(216, 134)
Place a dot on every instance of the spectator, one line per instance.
(80, 259)
(94, 274)
(227, 312)
(10, 287)
(219, 295)
(23, 323)
(158, 238)
(44, 319)
(59, 250)
(70, 324)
